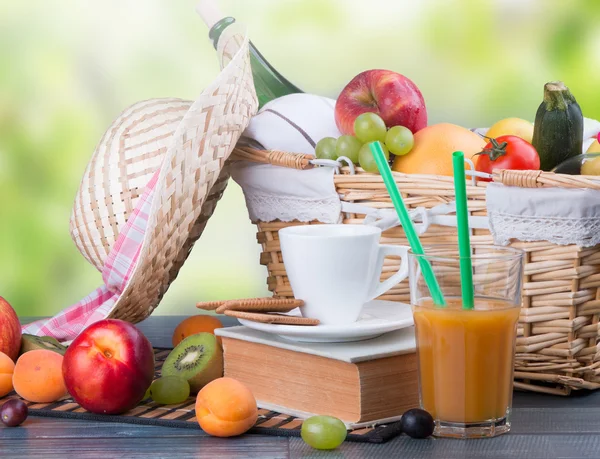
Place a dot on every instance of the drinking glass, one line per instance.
(466, 356)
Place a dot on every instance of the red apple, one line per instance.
(392, 96)
(10, 330)
(108, 367)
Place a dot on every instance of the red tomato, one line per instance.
(507, 152)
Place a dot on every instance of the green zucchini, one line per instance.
(558, 126)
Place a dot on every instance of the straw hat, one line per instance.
(189, 142)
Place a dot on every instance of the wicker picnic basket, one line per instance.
(558, 329)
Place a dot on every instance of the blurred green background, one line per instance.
(67, 69)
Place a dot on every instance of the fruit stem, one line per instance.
(497, 150)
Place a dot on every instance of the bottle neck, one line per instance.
(268, 82)
(215, 31)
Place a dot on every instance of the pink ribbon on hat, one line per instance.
(116, 272)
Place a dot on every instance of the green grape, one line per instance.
(366, 159)
(325, 148)
(369, 127)
(399, 140)
(169, 390)
(348, 146)
(323, 432)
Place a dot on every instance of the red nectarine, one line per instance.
(109, 366)
(10, 330)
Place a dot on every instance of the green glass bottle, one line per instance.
(268, 82)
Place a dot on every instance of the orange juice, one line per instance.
(466, 359)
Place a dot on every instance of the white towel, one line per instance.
(294, 123)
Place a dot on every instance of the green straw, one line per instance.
(462, 222)
(407, 224)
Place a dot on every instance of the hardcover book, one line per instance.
(363, 382)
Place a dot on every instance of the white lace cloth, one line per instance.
(558, 215)
(279, 193)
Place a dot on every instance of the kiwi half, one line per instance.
(32, 343)
(197, 359)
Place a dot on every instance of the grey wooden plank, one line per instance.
(181, 448)
(159, 329)
(538, 421)
(518, 446)
(564, 420)
(42, 427)
(577, 399)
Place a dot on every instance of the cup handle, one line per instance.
(379, 288)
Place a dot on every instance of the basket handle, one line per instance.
(540, 179)
(274, 157)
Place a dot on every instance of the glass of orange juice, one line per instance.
(466, 356)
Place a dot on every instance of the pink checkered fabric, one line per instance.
(116, 272)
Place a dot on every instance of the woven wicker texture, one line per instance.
(558, 328)
(190, 142)
(128, 154)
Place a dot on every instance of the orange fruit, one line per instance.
(201, 323)
(7, 368)
(226, 407)
(433, 148)
(38, 376)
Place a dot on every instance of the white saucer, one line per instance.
(378, 317)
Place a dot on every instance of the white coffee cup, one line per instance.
(335, 269)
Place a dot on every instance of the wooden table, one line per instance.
(544, 426)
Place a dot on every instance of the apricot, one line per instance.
(7, 368)
(225, 407)
(196, 324)
(38, 376)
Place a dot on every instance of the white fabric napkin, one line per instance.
(293, 123)
(558, 215)
(591, 128)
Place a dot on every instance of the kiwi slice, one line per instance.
(32, 342)
(197, 359)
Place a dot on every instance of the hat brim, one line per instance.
(191, 181)
(124, 161)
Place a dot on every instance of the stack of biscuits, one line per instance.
(264, 310)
